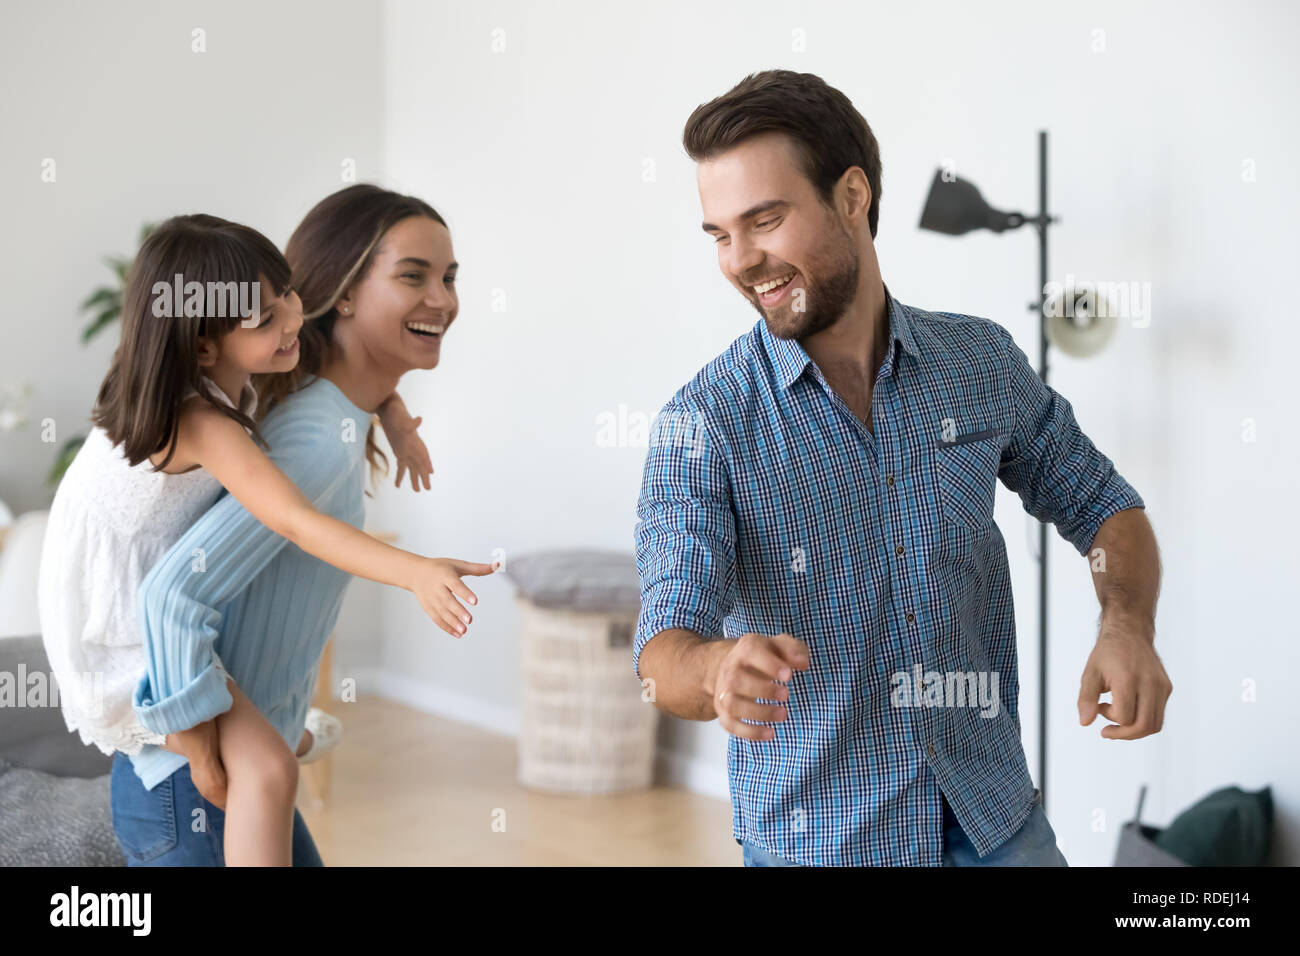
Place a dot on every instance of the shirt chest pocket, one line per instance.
(968, 474)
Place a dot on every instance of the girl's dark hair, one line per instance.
(828, 132)
(332, 249)
(157, 362)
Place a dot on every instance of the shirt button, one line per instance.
(898, 550)
(910, 617)
(889, 480)
(932, 748)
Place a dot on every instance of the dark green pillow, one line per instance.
(1230, 827)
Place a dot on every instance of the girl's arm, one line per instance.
(221, 445)
(412, 455)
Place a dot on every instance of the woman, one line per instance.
(376, 274)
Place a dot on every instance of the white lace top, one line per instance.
(108, 524)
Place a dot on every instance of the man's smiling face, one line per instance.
(778, 244)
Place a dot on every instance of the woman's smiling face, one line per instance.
(406, 301)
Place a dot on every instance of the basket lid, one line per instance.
(579, 579)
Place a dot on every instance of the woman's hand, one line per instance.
(199, 746)
(408, 447)
(438, 587)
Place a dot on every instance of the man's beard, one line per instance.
(826, 298)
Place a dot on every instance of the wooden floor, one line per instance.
(412, 789)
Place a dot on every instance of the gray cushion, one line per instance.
(578, 580)
(55, 821)
(37, 737)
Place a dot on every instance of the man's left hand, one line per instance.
(1125, 663)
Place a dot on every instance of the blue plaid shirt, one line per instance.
(767, 507)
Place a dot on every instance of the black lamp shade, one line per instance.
(955, 207)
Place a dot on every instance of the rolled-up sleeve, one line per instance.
(1057, 471)
(685, 532)
(179, 600)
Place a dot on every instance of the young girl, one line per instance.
(173, 428)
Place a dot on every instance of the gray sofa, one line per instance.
(54, 793)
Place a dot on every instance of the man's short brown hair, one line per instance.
(829, 134)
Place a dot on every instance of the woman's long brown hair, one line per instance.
(157, 360)
(332, 249)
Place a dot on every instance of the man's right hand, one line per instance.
(747, 672)
(199, 746)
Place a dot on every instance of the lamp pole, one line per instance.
(1042, 222)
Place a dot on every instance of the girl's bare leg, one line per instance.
(261, 786)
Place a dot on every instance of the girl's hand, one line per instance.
(408, 447)
(439, 585)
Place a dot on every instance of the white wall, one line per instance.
(536, 155)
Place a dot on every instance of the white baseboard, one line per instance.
(671, 768)
(692, 774)
(440, 701)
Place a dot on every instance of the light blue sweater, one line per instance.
(232, 585)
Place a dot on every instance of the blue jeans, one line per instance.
(159, 827)
(1034, 844)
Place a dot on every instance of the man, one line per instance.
(821, 495)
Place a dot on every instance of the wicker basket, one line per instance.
(584, 727)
